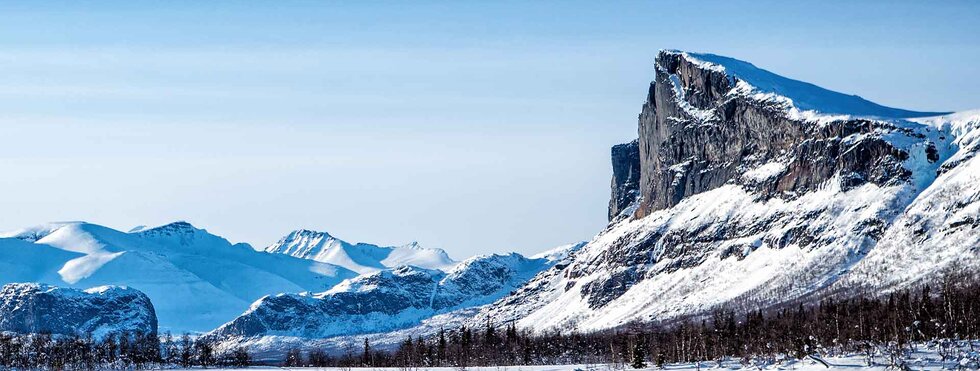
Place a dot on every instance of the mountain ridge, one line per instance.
(359, 257)
(196, 279)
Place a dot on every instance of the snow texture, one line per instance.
(360, 257)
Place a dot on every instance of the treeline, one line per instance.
(884, 328)
(112, 352)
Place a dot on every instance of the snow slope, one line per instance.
(196, 280)
(940, 229)
(22, 261)
(359, 257)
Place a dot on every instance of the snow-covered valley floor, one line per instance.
(842, 363)
(924, 359)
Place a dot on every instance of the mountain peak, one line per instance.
(802, 98)
(308, 233)
(177, 228)
(359, 257)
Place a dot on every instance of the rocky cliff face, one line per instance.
(696, 135)
(755, 190)
(38, 308)
(626, 178)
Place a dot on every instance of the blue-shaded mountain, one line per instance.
(31, 308)
(196, 280)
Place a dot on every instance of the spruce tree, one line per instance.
(366, 356)
(441, 350)
(639, 355)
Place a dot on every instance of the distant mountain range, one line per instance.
(198, 281)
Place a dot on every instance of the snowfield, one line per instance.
(925, 358)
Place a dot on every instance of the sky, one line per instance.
(476, 127)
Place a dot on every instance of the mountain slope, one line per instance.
(197, 280)
(939, 232)
(756, 190)
(37, 308)
(360, 257)
(22, 261)
(402, 298)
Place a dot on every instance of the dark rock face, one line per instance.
(39, 308)
(626, 177)
(682, 155)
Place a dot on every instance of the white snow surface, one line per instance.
(765, 172)
(195, 280)
(963, 355)
(359, 257)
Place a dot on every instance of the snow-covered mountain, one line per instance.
(747, 189)
(39, 308)
(386, 300)
(360, 257)
(940, 229)
(196, 280)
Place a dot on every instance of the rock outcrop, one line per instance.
(39, 308)
(697, 135)
(625, 179)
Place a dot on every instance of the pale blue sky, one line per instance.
(473, 126)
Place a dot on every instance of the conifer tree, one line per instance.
(639, 356)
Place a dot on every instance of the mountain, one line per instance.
(38, 308)
(748, 190)
(940, 229)
(360, 257)
(196, 280)
(383, 301)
